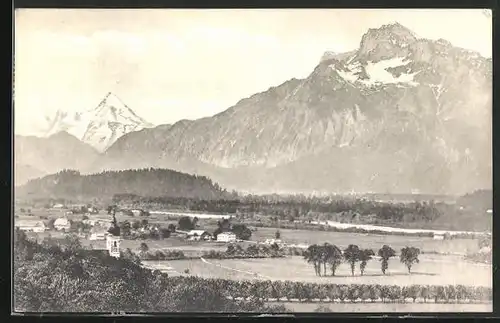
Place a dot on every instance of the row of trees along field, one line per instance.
(67, 278)
(332, 256)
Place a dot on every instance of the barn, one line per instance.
(197, 235)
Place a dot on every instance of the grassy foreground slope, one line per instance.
(67, 278)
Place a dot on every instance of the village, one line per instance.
(92, 225)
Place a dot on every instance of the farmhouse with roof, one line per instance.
(197, 235)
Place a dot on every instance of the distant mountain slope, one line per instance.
(23, 173)
(143, 182)
(38, 156)
(480, 199)
(396, 115)
(100, 126)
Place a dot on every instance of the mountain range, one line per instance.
(399, 114)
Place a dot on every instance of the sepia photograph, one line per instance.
(272, 161)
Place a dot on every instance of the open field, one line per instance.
(389, 307)
(432, 270)
(374, 241)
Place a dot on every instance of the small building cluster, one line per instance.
(198, 235)
(31, 226)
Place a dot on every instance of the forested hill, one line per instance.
(480, 199)
(150, 182)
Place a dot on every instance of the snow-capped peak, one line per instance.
(111, 108)
(100, 126)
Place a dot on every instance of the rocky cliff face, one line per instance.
(400, 113)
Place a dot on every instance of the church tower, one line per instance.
(113, 239)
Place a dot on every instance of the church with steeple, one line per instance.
(113, 239)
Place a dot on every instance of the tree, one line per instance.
(171, 227)
(71, 243)
(165, 233)
(275, 247)
(252, 250)
(333, 257)
(115, 229)
(425, 292)
(144, 247)
(365, 255)
(231, 249)
(125, 228)
(409, 256)
(111, 209)
(374, 291)
(277, 234)
(353, 292)
(311, 255)
(352, 256)
(241, 231)
(385, 253)
(412, 291)
(185, 223)
(136, 225)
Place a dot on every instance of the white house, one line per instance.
(31, 226)
(136, 212)
(62, 224)
(438, 237)
(273, 241)
(226, 237)
(58, 206)
(97, 234)
(197, 235)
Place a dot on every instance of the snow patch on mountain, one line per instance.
(376, 73)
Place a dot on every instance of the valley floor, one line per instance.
(432, 270)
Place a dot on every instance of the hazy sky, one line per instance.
(169, 65)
